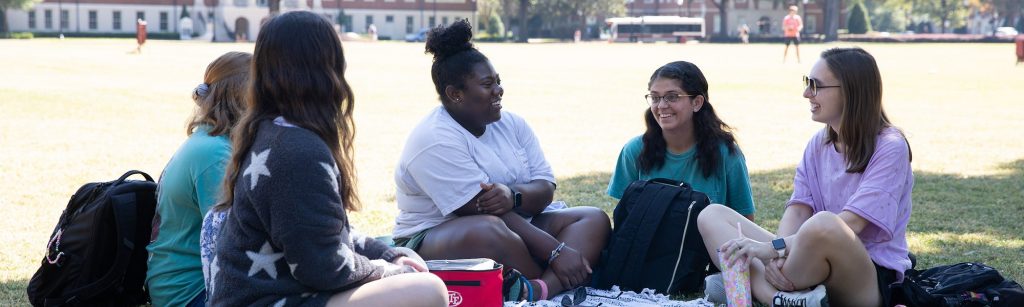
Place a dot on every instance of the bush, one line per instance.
(858, 22)
(495, 27)
(22, 35)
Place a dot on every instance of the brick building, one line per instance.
(230, 20)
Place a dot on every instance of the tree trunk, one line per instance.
(723, 21)
(4, 28)
(945, 16)
(275, 7)
(831, 20)
(522, 33)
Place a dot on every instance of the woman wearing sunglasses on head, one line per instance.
(843, 231)
(685, 141)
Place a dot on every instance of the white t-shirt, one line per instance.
(443, 164)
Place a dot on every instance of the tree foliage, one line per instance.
(546, 18)
(858, 22)
(6, 5)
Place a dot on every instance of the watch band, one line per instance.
(517, 200)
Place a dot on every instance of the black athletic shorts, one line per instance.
(886, 276)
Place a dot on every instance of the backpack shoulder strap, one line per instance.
(629, 215)
(651, 218)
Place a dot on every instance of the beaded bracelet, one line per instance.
(555, 252)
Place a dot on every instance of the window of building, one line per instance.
(92, 20)
(262, 3)
(811, 24)
(408, 24)
(369, 20)
(389, 18)
(117, 20)
(444, 20)
(64, 16)
(32, 19)
(433, 21)
(163, 21)
(140, 15)
(48, 19)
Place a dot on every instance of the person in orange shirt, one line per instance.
(791, 27)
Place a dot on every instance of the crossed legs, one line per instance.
(485, 236)
(824, 251)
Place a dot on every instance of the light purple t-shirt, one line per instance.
(880, 195)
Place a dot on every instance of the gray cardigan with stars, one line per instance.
(287, 241)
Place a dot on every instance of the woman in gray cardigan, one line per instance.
(287, 240)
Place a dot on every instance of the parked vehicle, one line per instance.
(420, 36)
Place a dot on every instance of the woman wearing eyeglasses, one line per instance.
(685, 141)
(843, 231)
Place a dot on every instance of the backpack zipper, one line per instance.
(681, 242)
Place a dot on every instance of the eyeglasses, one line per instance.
(670, 98)
(814, 86)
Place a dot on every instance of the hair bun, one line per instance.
(446, 41)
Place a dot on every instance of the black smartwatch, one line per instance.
(780, 246)
(517, 200)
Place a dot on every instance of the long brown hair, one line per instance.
(298, 73)
(709, 130)
(863, 116)
(222, 101)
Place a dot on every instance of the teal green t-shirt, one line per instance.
(189, 186)
(729, 184)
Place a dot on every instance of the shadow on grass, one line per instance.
(12, 293)
(955, 218)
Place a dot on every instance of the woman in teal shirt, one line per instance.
(685, 141)
(191, 183)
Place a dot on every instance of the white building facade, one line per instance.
(232, 20)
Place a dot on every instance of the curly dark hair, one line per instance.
(708, 129)
(454, 55)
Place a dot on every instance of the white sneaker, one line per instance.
(811, 298)
(714, 289)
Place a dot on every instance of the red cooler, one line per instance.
(470, 282)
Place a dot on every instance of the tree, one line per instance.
(495, 27)
(6, 5)
(723, 22)
(275, 7)
(831, 20)
(561, 18)
(858, 22)
(948, 13)
(523, 32)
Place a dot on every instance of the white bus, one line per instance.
(655, 28)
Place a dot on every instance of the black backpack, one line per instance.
(97, 255)
(655, 243)
(955, 285)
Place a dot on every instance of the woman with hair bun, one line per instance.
(472, 182)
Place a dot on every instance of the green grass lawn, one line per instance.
(76, 111)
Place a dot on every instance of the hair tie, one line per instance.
(201, 90)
